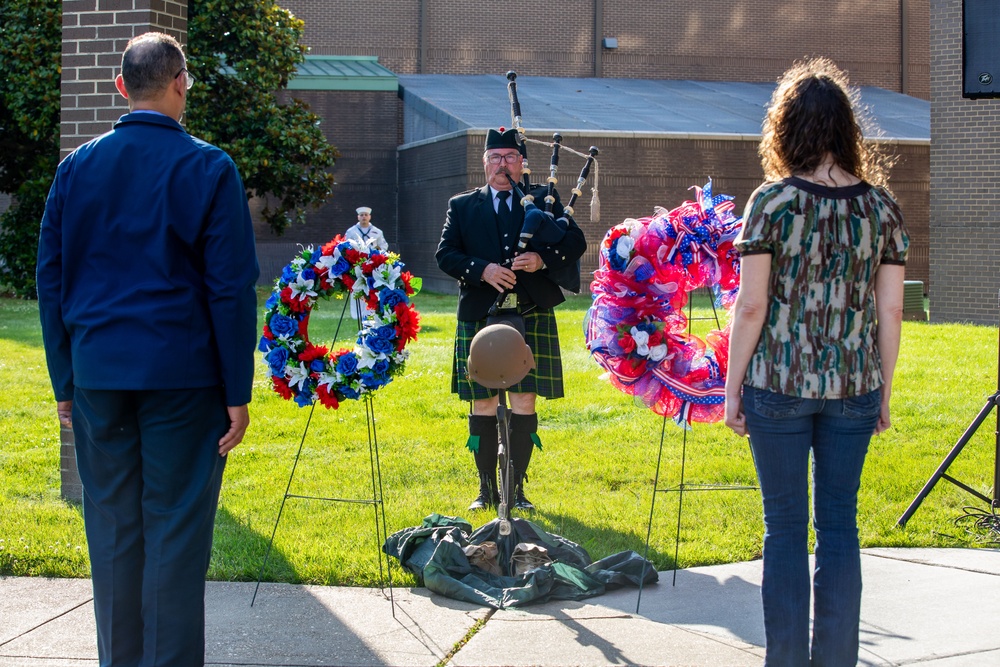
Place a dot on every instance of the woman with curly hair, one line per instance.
(816, 329)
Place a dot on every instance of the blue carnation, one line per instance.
(390, 298)
(347, 364)
(303, 399)
(282, 325)
(371, 381)
(340, 267)
(308, 274)
(386, 331)
(288, 274)
(272, 301)
(349, 392)
(265, 344)
(379, 345)
(316, 255)
(276, 359)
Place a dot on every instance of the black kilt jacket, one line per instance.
(472, 238)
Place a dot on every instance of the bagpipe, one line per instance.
(540, 225)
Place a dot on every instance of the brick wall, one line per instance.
(95, 33)
(964, 179)
(364, 126)
(715, 40)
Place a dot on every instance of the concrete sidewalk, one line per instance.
(932, 607)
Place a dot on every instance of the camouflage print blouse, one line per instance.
(826, 244)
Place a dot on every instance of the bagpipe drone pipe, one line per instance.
(542, 227)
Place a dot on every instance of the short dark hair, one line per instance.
(815, 111)
(150, 62)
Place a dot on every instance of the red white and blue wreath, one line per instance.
(306, 372)
(636, 329)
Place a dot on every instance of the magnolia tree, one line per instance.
(30, 48)
(241, 52)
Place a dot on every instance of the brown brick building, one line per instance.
(965, 181)
(886, 45)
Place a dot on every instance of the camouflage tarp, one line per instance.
(435, 551)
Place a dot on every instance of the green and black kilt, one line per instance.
(543, 339)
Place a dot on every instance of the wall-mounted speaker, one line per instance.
(981, 48)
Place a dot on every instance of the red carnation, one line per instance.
(312, 352)
(267, 333)
(406, 277)
(329, 247)
(408, 324)
(352, 256)
(348, 280)
(281, 386)
(329, 400)
(295, 304)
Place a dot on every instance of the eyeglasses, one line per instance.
(190, 79)
(509, 158)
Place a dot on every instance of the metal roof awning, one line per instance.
(343, 73)
(636, 107)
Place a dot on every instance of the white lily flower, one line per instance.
(328, 379)
(302, 288)
(387, 275)
(327, 261)
(297, 375)
(360, 282)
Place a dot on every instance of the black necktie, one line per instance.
(503, 208)
(506, 218)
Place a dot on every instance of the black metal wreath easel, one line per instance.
(376, 501)
(682, 486)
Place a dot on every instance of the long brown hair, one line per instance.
(814, 111)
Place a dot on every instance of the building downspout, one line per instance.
(422, 36)
(904, 48)
(598, 36)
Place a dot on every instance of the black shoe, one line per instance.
(488, 496)
(481, 502)
(522, 503)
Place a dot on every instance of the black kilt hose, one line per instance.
(543, 339)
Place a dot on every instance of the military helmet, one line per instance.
(499, 357)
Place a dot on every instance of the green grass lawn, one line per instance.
(592, 483)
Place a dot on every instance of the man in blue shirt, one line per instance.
(146, 273)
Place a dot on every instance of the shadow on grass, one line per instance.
(239, 552)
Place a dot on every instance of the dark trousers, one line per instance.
(151, 476)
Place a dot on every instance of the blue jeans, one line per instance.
(783, 430)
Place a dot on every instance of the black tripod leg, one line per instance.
(503, 452)
(991, 403)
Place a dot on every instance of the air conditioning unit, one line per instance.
(913, 300)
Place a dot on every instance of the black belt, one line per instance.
(513, 303)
